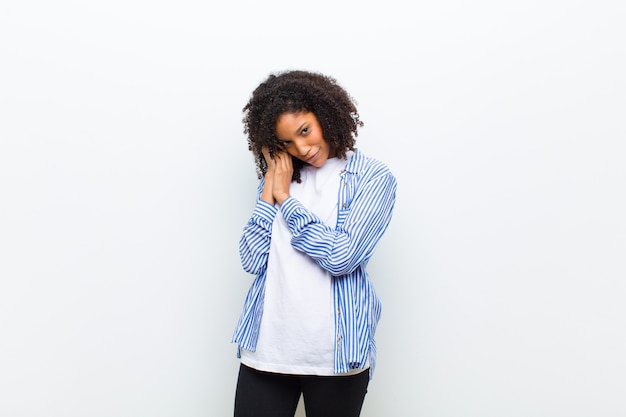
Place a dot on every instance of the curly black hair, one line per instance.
(294, 92)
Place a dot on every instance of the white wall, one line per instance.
(125, 181)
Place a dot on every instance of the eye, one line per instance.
(284, 143)
(304, 131)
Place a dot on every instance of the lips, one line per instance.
(313, 158)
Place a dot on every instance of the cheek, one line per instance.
(292, 151)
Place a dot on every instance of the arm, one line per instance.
(341, 250)
(254, 244)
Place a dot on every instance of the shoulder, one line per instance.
(367, 166)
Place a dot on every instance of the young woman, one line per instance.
(309, 318)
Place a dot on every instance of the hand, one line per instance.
(283, 172)
(268, 160)
(266, 194)
(278, 176)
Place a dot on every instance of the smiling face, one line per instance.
(301, 135)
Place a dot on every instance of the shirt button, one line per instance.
(338, 311)
(343, 205)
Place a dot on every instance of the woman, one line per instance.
(310, 315)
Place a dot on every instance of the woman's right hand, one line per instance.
(277, 177)
(271, 165)
(283, 172)
(267, 193)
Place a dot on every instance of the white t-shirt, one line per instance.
(297, 328)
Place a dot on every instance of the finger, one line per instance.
(283, 160)
(266, 153)
(268, 159)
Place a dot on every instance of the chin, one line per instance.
(319, 162)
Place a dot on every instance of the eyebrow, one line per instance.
(296, 132)
(300, 127)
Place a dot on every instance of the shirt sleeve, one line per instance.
(341, 250)
(254, 244)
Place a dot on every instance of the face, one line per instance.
(301, 135)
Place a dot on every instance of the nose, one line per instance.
(302, 147)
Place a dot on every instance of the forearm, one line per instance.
(342, 249)
(267, 192)
(254, 244)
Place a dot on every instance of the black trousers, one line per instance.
(265, 394)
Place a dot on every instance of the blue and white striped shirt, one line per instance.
(366, 198)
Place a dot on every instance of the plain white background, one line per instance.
(125, 181)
